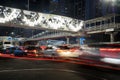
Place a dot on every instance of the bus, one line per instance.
(6, 42)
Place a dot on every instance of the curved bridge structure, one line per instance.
(28, 19)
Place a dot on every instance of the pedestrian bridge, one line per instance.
(107, 23)
(13, 17)
(54, 34)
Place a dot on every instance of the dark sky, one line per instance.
(34, 5)
(5, 30)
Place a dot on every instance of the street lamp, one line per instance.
(28, 4)
(32, 33)
(12, 34)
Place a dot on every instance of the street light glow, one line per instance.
(113, 2)
(110, 0)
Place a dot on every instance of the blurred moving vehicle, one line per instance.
(110, 55)
(66, 51)
(61, 51)
(50, 51)
(35, 51)
(114, 61)
(110, 52)
(16, 51)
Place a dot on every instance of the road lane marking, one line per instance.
(51, 69)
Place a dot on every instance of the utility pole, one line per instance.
(28, 4)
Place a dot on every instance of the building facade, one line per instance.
(70, 8)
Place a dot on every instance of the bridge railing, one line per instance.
(102, 23)
(102, 27)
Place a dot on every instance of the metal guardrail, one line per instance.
(53, 35)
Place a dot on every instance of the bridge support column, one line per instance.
(68, 40)
(111, 37)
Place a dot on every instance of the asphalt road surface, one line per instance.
(18, 69)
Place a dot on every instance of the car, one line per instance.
(16, 51)
(61, 51)
(50, 51)
(67, 51)
(33, 50)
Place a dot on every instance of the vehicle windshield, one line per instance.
(7, 42)
(31, 48)
(63, 47)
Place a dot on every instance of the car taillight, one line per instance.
(25, 50)
(58, 50)
(72, 50)
(34, 51)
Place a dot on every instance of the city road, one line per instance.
(20, 69)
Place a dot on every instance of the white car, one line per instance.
(50, 51)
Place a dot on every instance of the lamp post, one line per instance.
(32, 33)
(28, 4)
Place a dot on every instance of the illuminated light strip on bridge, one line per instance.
(28, 19)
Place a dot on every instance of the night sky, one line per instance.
(34, 5)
